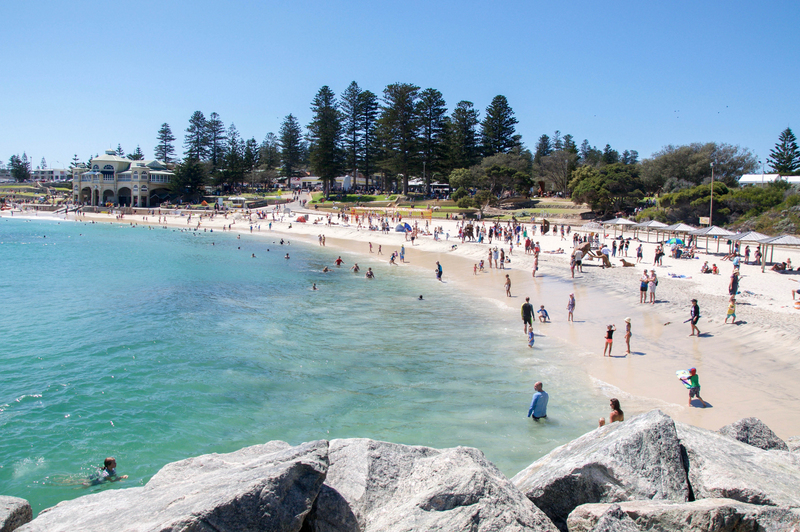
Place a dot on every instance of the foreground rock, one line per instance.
(753, 431)
(14, 512)
(264, 487)
(379, 486)
(793, 443)
(706, 515)
(723, 467)
(637, 459)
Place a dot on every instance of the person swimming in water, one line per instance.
(108, 473)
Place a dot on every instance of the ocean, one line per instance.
(154, 345)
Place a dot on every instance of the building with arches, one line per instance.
(119, 181)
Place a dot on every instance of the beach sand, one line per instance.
(747, 369)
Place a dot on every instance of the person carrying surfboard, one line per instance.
(692, 382)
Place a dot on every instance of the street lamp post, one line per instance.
(711, 207)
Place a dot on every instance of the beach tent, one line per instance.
(648, 226)
(782, 240)
(301, 219)
(714, 231)
(408, 227)
(400, 228)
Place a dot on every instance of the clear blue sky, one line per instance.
(82, 76)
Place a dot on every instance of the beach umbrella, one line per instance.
(675, 240)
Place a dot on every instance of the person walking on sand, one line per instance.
(731, 311)
(538, 408)
(694, 317)
(693, 383)
(508, 286)
(527, 315)
(571, 308)
(639, 254)
(609, 339)
(628, 336)
(616, 413)
(579, 260)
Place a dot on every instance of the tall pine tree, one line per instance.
(325, 134)
(498, 127)
(165, 149)
(290, 141)
(195, 142)
(463, 138)
(351, 107)
(215, 138)
(784, 159)
(137, 154)
(432, 112)
(399, 129)
(370, 145)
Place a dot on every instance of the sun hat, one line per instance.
(627, 320)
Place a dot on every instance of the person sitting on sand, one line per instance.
(616, 413)
(705, 268)
(108, 473)
(714, 269)
(779, 267)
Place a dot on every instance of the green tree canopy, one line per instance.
(165, 149)
(399, 130)
(463, 145)
(607, 189)
(189, 179)
(195, 142)
(290, 141)
(432, 112)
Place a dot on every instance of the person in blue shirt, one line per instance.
(538, 409)
(543, 315)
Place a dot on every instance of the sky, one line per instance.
(81, 77)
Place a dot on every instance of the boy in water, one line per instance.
(108, 473)
(531, 339)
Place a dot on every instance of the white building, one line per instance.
(763, 179)
(119, 181)
(50, 174)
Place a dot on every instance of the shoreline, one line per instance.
(733, 361)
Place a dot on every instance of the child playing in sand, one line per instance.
(693, 382)
(543, 315)
(609, 339)
(731, 311)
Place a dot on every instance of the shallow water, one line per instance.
(156, 345)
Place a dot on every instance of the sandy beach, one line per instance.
(747, 369)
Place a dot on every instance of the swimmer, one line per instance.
(314, 286)
(369, 274)
(287, 256)
(355, 268)
(420, 297)
(108, 473)
(616, 413)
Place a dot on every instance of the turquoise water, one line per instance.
(156, 345)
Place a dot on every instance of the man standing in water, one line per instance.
(527, 315)
(538, 409)
(438, 270)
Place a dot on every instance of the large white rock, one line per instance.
(14, 512)
(263, 487)
(377, 486)
(705, 515)
(636, 459)
(720, 466)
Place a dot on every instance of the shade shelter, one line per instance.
(782, 240)
(714, 231)
(618, 222)
(750, 236)
(648, 226)
(679, 228)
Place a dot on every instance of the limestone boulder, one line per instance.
(636, 459)
(719, 466)
(755, 432)
(793, 444)
(376, 486)
(14, 512)
(705, 515)
(614, 520)
(263, 487)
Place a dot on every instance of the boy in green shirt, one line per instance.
(693, 382)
